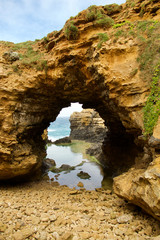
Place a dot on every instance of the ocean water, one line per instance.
(59, 128)
(72, 155)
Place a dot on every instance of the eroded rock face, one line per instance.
(141, 187)
(87, 125)
(106, 78)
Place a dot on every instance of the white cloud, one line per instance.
(75, 107)
(22, 20)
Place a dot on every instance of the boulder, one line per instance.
(48, 163)
(141, 187)
(83, 175)
(11, 56)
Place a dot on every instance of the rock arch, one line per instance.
(35, 98)
(107, 79)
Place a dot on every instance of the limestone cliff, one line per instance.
(106, 58)
(87, 125)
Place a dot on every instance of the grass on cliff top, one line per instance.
(29, 57)
(71, 31)
(99, 17)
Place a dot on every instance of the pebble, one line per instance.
(124, 218)
(44, 211)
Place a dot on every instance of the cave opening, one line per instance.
(37, 107)
(74, 133)
(109, 156)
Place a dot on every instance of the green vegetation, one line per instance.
(46, 40)
(117, 25)
(97, 15)
(129, 3)
(150, 47)
(92, 13)
(119, 33)
(7, 44)
(104, 21)
(112, 8)
(149, 57)
(29, 57)
(133, 5)
(127, 23)
(71, 31)
(133, 73)
(147, 34)
(152, 108)
(142, 10)
(23, 45)
(103, 37)
(94, 159)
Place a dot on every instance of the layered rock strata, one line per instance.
(87, 125)
(100, 71)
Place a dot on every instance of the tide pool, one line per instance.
(73, 155)
(68, 155)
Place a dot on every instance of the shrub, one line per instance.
(92, 13)
(112, 8)
(46, 40)
(103, 37)
(71, 31)
(119, 33)
(105, 21)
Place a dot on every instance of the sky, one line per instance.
(22, 20)
(75, 107)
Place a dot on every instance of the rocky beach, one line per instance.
(46, 211)
(106, 58)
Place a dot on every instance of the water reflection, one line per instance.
(74, 155)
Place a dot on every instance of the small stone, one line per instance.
(52, 218)
(124, 218)
(67, 236)
(43, 236)
(75, 238)
(35, 220)
(44, 217)
(18, 236)
(55, 235)
(83, 175)
(148, 230)
(24, 233)
(3, 227)
(80, 184)
(108, 191)
(112, 215)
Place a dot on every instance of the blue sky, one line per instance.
(22, 20)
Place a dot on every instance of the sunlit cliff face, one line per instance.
(64, 68)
